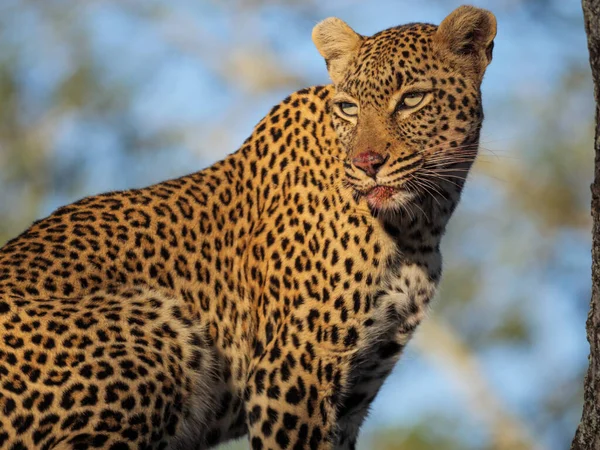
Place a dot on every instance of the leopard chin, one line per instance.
(388, 198)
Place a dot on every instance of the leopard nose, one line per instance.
(369, 162)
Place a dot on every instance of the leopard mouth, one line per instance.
(381, 197)
(381, 193)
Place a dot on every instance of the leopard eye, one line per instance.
(411, 100)
(348, 109)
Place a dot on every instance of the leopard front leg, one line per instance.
(293, 396)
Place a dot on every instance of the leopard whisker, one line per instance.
(446, 178)
(429, 186)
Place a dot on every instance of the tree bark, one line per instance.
(587, 436)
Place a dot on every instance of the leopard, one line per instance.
(268, 295)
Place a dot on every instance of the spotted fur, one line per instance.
(269, 294)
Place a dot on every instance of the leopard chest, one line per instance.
(387, 312)
(399, 302)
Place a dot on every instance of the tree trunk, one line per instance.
(587, 436)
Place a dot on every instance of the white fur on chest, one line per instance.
(405, 303)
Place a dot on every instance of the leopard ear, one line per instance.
(469, 33)
(338, 44)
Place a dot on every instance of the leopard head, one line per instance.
(407, 105)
